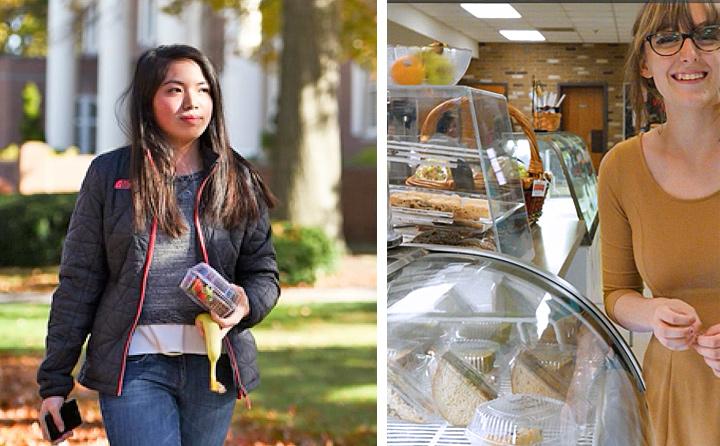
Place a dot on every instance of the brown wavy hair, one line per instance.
(653, 17)
(234, 193)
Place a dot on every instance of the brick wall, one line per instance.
(15, 72)
(553, 64)
(359, 204)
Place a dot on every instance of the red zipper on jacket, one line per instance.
(242, 393)
(146, 270)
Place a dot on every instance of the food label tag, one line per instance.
(538, 188)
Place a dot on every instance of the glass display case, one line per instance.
(451, 177)
(566, 157)
(485, 349)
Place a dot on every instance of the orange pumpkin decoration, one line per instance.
(408, 70)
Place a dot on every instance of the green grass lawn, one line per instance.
(317, 362)
(23, 327)
(318, 370)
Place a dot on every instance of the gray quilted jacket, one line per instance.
(103, 273)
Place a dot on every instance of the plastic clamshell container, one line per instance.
(520, 419)
(207, 288)
(480, 354)
(406, 401)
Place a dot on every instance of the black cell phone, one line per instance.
(71, 418)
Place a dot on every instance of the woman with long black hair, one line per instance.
(146, 213)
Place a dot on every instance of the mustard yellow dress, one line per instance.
(674, 246)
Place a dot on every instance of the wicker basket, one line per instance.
(536, 171)
(534, 204)
(431, 119)
(466, 130)
(546, 121)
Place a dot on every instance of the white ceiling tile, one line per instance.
(590, 14)
(587, 7)
(551, 23)
(609, 19)
(433, 7)
(561, 37)
(627, 7)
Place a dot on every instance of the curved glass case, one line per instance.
(566, 156)
(471, 334)
(451, 176)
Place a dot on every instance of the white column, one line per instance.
(242, 83)
(184, 28)
(61, 76)
(115, 65)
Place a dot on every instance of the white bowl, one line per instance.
(459, 59)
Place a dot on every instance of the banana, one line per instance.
(213, 345)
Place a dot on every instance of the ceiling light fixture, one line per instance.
(522, 35)
(491, 10)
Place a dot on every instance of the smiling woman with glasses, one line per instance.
(659, 202)
(668, 43)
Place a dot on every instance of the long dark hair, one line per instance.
(232, 194)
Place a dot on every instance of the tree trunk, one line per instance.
(307, 158)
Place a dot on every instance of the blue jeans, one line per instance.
(166, 401)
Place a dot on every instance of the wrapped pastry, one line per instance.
(432, 176)
(458, 389)
(545, 371)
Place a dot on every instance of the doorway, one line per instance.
(584, 113)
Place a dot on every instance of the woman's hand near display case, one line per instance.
(708, 345)
(673, 322)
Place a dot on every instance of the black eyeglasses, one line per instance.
(667, 43)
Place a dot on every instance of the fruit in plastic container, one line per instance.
(197, 288)
(438, 69)
(408, 70)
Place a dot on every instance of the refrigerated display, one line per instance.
(567, 158)
(452, 179)
(486, 349)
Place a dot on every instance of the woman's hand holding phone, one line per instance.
(51, 406)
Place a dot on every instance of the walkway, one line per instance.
(355, 280)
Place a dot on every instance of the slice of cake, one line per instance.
(406, 401)
(566, 333)
(479, 354)
(458, 389)
(545, 373)
(523, 436)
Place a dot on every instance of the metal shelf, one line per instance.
(400, 433)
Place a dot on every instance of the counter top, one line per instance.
(557, 235)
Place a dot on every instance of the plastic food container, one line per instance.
(521, 419)
(406, 401)
(480, 354)
(207, 288)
